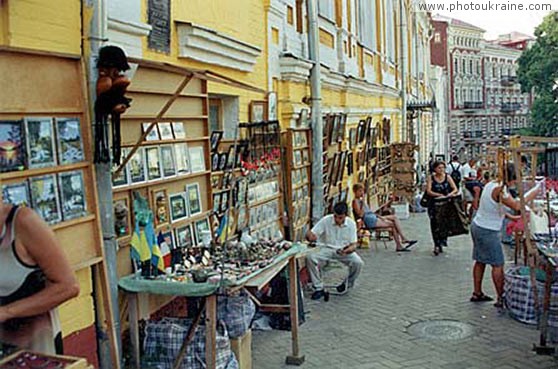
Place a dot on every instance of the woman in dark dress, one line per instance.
(438, 186)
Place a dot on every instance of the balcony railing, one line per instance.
(472, 105)
(508, 80)
(510, 107)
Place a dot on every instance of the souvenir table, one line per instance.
(254, 281)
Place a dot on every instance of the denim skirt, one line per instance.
(487, 246)
(370, 220)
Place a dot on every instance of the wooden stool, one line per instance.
(383, 234)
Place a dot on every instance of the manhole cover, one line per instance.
(443, 330)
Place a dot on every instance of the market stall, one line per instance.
(539, 238)
(226, 279)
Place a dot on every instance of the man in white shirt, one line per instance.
(337, 235)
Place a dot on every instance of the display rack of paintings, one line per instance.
(298, 170)
(378, 161)
(170, 170)
(263, 137)
(262, 172)
(334, 158)
(403, 169)
(228, 184)
(52, 146)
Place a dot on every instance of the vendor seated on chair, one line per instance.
(371, 220)
(336, 235)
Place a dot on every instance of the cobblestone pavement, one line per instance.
(367, 328)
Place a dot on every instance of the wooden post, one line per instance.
(531, 250)
(134, 329)
(294, 359)
(210, 331)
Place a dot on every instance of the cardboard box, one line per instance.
(242, 348)
(70, 362)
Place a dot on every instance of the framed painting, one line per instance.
(161, 207)
(178, 130)
(182, 158)
(12, 149)
(16, 193)
(72, 193)
(153, 135)
(44, 198)
(197, 159)
(183, 236)
(39, 134)
(194, 198)
(168, 161)
(178, 207)
(69, 141)
(272, 106)
(258, 111)
(165, 130)
(153, 163)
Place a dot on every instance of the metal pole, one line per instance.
(97, 36)
(316, 98)
(403, 68)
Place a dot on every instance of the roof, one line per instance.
(514, 37)
(456, 22)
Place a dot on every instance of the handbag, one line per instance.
(425, 200)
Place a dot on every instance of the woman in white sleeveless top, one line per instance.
(487, 236)
(35, 277)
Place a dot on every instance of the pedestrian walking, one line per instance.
(439, 185)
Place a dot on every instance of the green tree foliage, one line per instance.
(538, 72)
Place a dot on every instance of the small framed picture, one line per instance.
(215, 157)
(183, 236)
(352, 138)
(272, 106)
(303, 118)
(342, 125)
(40, 142)
(202, 229)
(224, 202)
(231, 160)
(216, 181)
(215, 139)
(44, 198)
(223, 160)
(178, 130)
(217, 203)
(258, 111)
(122, 218)
(137, 166)
(350, 163)
(178, 208)
(12, 151)
(68, 135)
(168, 161)
(161, 206)
(72, 193)
(16, 193)
(153, 163)
(165, 130)
(194, 199)
(305, 156)
(182, 158)
(123, 178)
(197, 159)
(153, 135)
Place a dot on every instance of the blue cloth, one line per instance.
(370, 219)
(487, 246)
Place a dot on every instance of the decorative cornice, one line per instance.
(132, 28)
(209, 46)
(294, 69)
